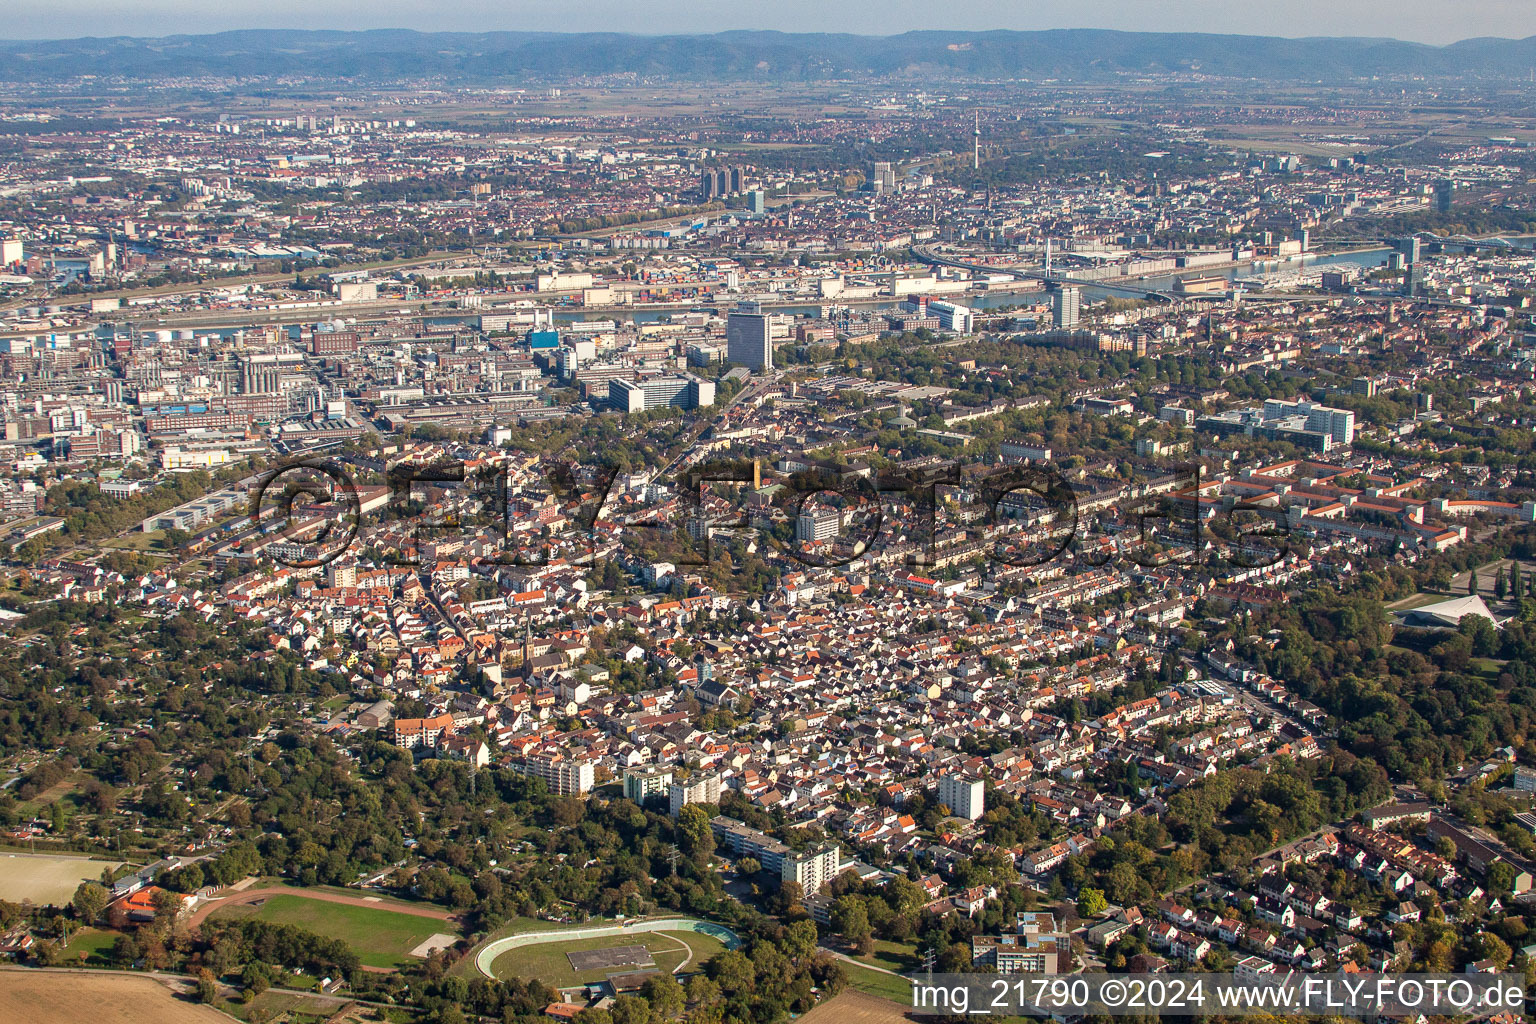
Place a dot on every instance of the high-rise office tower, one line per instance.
(746, 339)
(1445, 195)
(715, 182)
(1413, 280)
(885, 177)
(1066, 306)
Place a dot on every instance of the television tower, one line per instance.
(976, 144)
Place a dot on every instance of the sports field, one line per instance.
(380, 936)
(44, 878)
(552, 964)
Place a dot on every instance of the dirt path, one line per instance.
(236, 899)
(683, 944)
(845, 958)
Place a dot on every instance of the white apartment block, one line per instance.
(964, 795)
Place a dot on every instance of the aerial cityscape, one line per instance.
(510, 526)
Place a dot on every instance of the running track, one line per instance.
(237, 899)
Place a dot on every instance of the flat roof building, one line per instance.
(747, 341)
(683, 390)
(964, 795)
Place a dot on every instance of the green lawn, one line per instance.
(381, 937)
(1489, 668)
(95, 943)
(876, 984)
(1418, 600)
(137, 541)
(893, 956)
(548, 962)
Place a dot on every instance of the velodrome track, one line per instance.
(490, 951)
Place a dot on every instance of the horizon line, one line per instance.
(762, 31)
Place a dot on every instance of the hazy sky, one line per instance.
(1434, 21)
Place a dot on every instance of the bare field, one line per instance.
(44, 878)
(40, 997)
(851, 1007)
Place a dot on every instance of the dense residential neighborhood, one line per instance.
(640, 555)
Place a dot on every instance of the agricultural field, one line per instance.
(49, 998)
(851, 1007)
(549, 963)
(41, 878)
(381, 937)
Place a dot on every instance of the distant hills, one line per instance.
(486, 57)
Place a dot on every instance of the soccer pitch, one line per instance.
(381, 937)
(43, 878)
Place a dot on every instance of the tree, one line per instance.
(631, 1010)
(1091, 903)
(1492, 948)
(1481, 631)
(694, 834)
(905, 896)
(255, 977)
(124, 951)
(703, 991)
(167, 905)
(568, 811)
(207, 987)
(1472, 583)
(664, 996)
(851, 919)
(800, 939)
(732, 971)
(90, 901)
(790, 899)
